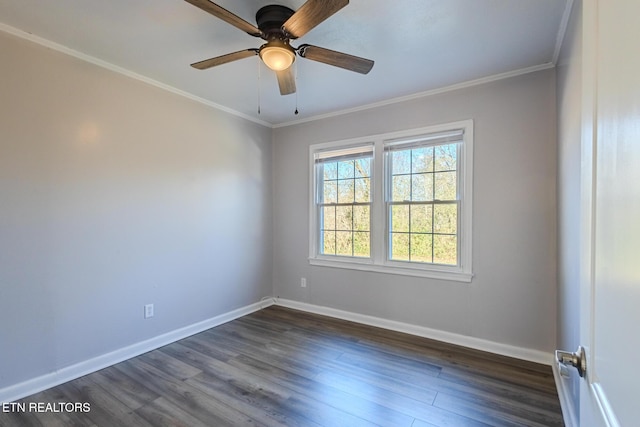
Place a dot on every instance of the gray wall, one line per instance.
(569, 93)
(512, 298)
(115, 194)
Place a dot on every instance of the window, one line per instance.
(344, 201)
(422, 198)
(395, 203)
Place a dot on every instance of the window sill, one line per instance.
(366, 265)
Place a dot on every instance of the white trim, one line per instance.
(521, 353)
(43, 382)
(93, 60)
(564, 395)
(457, 86)
(562, 31)
(604, 406)
(392, 269)
(116, 69)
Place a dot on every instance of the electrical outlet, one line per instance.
(148, 311)
(303, 282)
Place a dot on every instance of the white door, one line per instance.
(610, 299)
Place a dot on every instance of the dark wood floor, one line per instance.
(280, 367)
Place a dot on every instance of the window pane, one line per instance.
(345, 169)
(329, 242)
(343, 218)
(330, 170)
(400, 246)
(422, 187)
(345, 230)
(363, 190)
(330, 192)
(421, 219)
(445, 249)
(422, 160)
(363, 168)
(421, 245)
(345, 191)
(361, 219)
(445, 218)
(361, 245)
(401, 162)
(344, 243)
(445, 186)
(400, 218)
(329, 218)
(401, 188)
(446, 156)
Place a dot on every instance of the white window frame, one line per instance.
(378, 261)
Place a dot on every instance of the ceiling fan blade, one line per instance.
(337, 59)
(229, 57)
(286, 81)
(228, 17)
(310, 14)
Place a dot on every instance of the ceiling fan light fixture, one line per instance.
(277, 55)
(277, 25)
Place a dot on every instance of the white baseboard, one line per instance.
(35, 385)
(421, 331)
(568, 413)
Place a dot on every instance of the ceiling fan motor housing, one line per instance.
(276, 53)
(270, 20)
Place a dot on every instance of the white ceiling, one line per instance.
(417, 45)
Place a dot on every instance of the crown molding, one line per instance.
(562, 31)
(457, 86)
(123, 71)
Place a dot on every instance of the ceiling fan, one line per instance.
(278, 25)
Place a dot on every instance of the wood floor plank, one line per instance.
(180, 394)
(456, 382)
(398, 368)
(493, 414)
(176, 368)
(446, 354)
(47, 419)
(17, 419)
(326, 394)
(369, 391)
(295, 364)
(420, 423)
(197, 356)
(209, 347)
(162, 412)
(360, 382)
(291, 341)
(254, 401)
(132, 393)
(283, 367)
(105, 408)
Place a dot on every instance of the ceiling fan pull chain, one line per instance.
(296, 78)
(258, 62)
